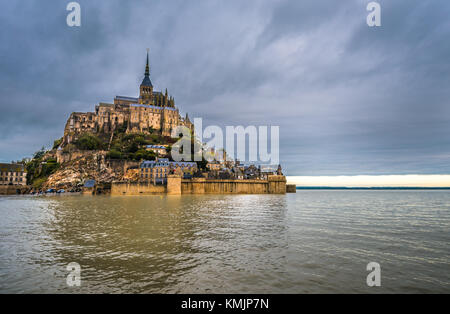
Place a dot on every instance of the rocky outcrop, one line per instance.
(83, 166)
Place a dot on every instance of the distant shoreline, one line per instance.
(368, 188)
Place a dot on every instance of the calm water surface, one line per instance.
(308, 242)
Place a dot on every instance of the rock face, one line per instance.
(86, 165)
(131, 175)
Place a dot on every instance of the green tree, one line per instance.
(57, 142)
(40, 153)
(89, 142)
(114, 154)
(39, 169)
(202, 164)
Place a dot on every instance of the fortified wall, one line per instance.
(176, 186)
(137, 188)
(14, 189)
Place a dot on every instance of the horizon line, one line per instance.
(373, 181)
(372, 188)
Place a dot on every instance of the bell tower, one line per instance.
(146, 88)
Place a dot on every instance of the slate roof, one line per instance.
(156, 146)
(146, 81)
(12, 167)
(152, 107)
(127, 98)
(89, 183)
(166, 163)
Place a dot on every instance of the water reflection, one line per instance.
(312, 241)
(165, 244)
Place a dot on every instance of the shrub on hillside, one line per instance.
(56, 143)
(143, 154)
(89, 142)
(114, 154)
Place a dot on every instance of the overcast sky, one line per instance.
(349, 99)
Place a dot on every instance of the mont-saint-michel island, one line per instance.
(124, 148)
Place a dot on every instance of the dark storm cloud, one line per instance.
(349, 99)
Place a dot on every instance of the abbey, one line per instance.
(152, 110)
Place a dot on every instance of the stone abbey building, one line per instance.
(152, 110)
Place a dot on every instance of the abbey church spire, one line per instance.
(146, 88)
(147, 67)
(146, 81)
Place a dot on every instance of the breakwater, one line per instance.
(176, 185)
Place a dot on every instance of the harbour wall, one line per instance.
(291, 188)
(14, 189)
(176, 185)
(137, 188)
